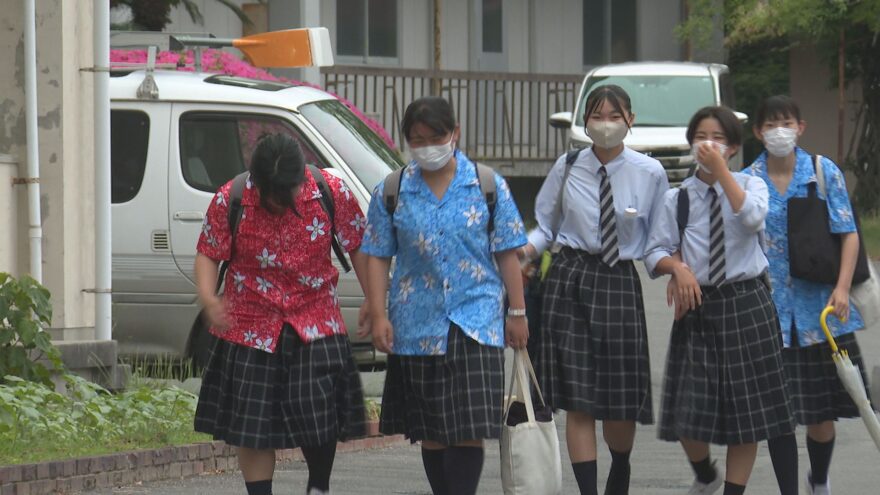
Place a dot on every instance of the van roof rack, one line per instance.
(306, 47)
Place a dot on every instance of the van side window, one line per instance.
(215, 147)
(129, 137)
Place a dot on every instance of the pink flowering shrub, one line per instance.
(218, 61)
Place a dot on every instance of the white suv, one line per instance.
(664, 97)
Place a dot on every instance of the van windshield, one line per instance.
(362, 150)
(657, 101)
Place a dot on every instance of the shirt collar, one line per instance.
(251, 195)
(465, 174)
(804, 172)
(611, 167)
(701, 188)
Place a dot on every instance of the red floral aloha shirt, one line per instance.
(281, 270)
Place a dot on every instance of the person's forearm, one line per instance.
(670, 265)
(377, 284)
(849, 251)
(359, 262)
(206, 277)
(511, 274)
(735, 194)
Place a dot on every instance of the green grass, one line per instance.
(871, 235)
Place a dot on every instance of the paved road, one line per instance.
(658, 467)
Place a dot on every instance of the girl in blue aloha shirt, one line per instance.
(446, 333)
(818, 397)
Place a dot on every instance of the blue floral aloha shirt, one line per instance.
(444, 270)
(799, 302)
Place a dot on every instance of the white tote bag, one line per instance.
(530, 462)
(866, 297)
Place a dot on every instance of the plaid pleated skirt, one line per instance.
(816, 392)
(593, 347)
(301, 395)
(724, 380)
(448, 398)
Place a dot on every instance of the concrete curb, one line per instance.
(128, 468)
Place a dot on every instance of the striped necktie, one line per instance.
(607, 222)
(717, 271)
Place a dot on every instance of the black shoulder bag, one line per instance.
(813, 250)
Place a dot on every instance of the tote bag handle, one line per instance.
(523, 372)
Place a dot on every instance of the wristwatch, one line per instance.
(516, 312)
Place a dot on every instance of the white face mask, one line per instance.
(722, 148)
(433, 158)
(780, 141)
(605, 133)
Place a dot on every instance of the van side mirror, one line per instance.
(561, 120)
(743, 118)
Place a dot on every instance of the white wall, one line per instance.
(219, 20)
(656, 21)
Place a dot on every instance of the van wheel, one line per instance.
(201, 345)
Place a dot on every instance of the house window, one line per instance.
(492, 30)
(609, 31)
(366, 28)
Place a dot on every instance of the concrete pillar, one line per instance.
(8, 215)
(64, 93)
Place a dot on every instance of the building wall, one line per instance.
(811, 81)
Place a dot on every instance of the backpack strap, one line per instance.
(556, 219)
(391, 190)
(233, 216)
(486, 178)
(326, 200)
(682, 211)
(820, 174)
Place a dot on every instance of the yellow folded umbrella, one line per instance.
(852, 380)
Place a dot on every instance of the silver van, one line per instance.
(664, 97)
(169, 155)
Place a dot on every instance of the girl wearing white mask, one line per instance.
(593, 213)
(444, 329)
(724, 381)
(818, 397)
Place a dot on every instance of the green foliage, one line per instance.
(24, 310)
(89, 420)
(820, 24)
(373, 409)
(758, 70)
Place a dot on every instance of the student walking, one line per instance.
(818, 397)
(724, 381)
(281, 374)
(446, 222)
(594, 212)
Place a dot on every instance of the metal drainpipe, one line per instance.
(35, 230)
(103, 246)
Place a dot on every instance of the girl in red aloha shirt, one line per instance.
(281, 374)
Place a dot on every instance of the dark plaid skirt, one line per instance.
(815, 389)
(447, 399)
(302, 395)
(593, 347)
(724, 380)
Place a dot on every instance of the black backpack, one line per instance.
(485, 176)
(235, 211)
